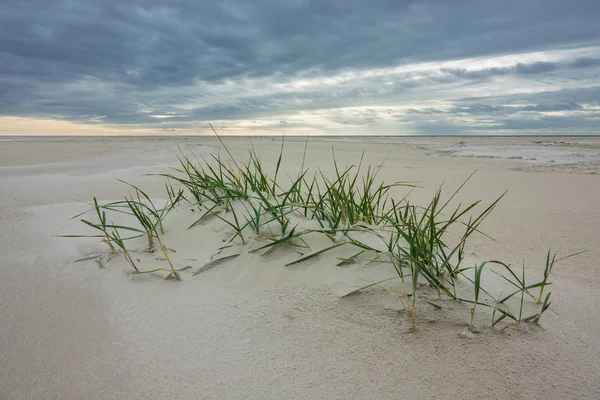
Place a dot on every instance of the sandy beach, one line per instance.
(252, 328)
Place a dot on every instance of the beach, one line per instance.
(253, 328)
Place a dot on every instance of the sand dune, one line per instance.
(76, 324)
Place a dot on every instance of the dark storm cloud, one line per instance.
(535, 68)
(485, 109)
(527, 119)
(129, 62)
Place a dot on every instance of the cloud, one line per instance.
(525, 69)
(173, 66)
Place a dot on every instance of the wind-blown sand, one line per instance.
(252, 328)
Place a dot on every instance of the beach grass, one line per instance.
(423, 243)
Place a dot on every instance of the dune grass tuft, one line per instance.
(424, 244)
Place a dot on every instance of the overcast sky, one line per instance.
(392, 67)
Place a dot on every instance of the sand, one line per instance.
(252, 328)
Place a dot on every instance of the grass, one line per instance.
(424, 244)
(149, 218)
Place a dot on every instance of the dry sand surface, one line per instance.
(251, 328)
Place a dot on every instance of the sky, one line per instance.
(297, 67)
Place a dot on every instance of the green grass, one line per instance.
(423, 243)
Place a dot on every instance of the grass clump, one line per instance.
(425, 245)
(149, 218)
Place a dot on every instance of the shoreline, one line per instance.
(287, 136)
